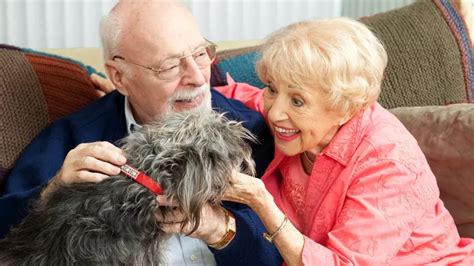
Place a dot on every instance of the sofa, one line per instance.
(428, 85)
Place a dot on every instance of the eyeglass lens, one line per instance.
(202, 57)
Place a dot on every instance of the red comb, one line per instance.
(141, 179)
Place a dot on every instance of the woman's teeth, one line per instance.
(286, 131)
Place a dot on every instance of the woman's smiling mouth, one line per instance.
(286, 134)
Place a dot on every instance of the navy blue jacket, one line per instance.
(104, 120)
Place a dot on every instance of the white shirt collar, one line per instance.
(132, 124)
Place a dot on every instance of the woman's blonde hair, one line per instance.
(339, 56)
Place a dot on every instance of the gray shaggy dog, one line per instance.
(192, 156)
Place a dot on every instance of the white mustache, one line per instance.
(189, 94)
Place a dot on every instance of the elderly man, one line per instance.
(159, 62)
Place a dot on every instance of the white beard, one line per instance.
(205, 105)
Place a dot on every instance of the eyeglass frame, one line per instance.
(157, 71)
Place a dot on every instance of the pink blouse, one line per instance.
(371, 198)
(294, 190)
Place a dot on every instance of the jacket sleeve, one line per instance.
(36, 166)
(248, 246)
(104, 120)
(382, 207)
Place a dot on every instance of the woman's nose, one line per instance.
(277, 110)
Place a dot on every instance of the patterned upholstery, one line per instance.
(36, 89)
(426, 65)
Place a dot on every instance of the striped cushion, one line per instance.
(425, 59)
(36, 89)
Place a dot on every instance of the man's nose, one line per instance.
(192, 74)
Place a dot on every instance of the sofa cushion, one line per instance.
(65, 82)
(240, 63)
(36, 89)
(445, 134)
(429, 51)
(428, 48)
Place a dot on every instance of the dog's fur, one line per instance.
(192, 156)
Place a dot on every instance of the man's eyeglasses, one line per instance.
(172, 68)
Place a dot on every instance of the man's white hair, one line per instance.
(110, 33)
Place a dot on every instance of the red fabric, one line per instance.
(371, 199)
(66, 85)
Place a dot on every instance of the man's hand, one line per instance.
(211, 229)
(88, 162)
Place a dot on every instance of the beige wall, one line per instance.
(93, 56)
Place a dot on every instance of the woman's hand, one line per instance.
(248, 190)
(212, 226)
(251, 191)
(102, 85)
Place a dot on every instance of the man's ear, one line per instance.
(116, 75)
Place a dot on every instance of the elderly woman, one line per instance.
(348, 185)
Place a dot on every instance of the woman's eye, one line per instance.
(271, 90)
(297, 102)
